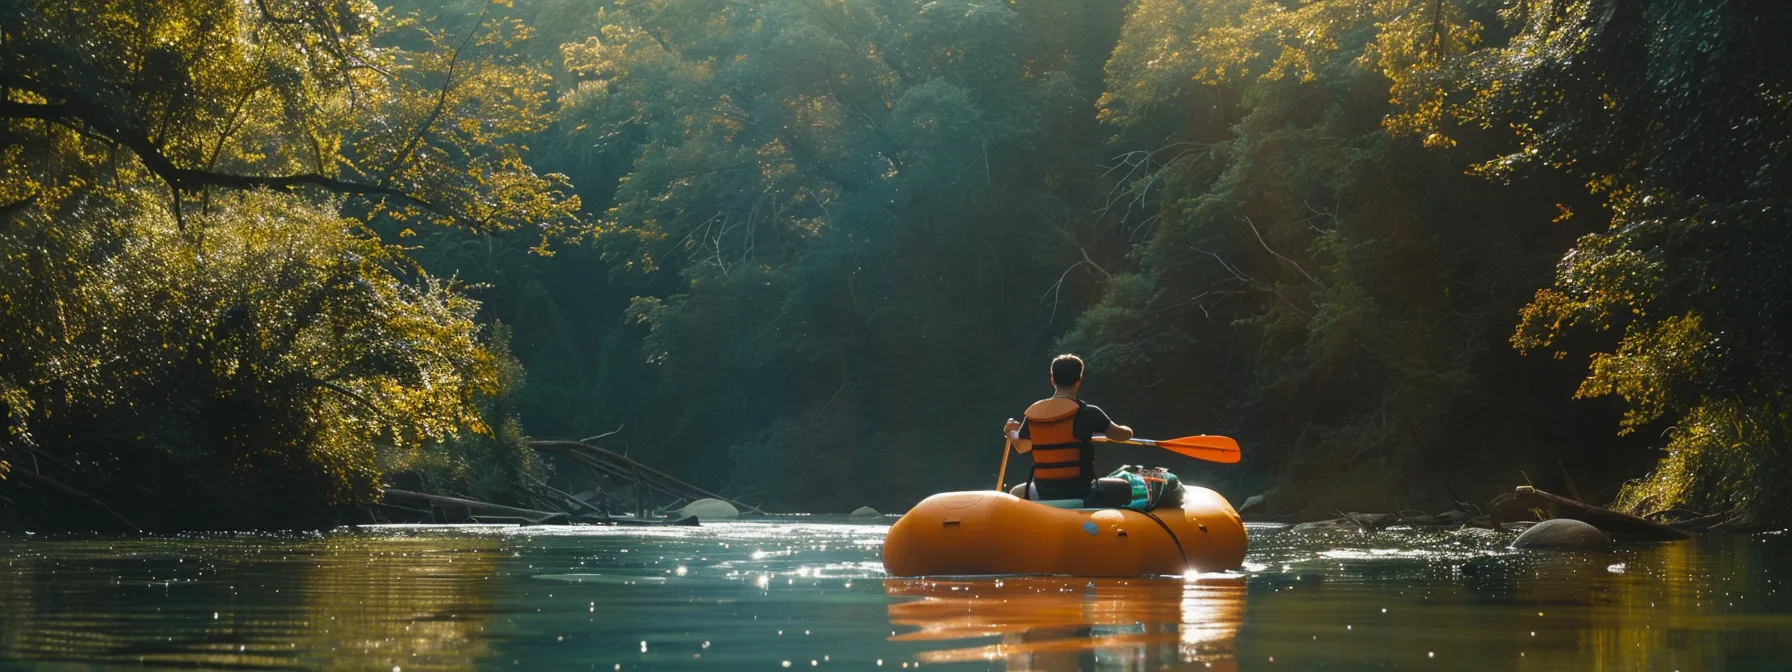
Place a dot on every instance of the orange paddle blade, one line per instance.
(1222, 449)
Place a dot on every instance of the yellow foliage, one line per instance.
(1646, 366)
(1418, 45)
(290, 87)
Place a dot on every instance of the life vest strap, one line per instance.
(1058, 454)
(1070, 473)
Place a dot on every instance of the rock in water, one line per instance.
(865, 512)
(1562, 533)
(709, 509)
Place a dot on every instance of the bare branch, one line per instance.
(1240, 275)
(613, 432)
(435, 113)
(1328, 214)
(1105, 275)
(1278, 255)
(1143, 169)
(1057, 288)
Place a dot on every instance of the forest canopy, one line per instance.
(269, 257)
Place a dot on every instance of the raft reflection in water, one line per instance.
(1058, 623)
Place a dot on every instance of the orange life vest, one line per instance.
(1058, 455)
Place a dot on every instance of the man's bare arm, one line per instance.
(1012, 431)
(1119, 432)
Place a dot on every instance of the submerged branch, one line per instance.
(58, 486)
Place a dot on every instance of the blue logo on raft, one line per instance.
(1089, 527)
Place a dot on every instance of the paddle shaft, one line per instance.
(1002, 474)
(1102, 438)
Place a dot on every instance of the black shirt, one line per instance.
(1090, 420)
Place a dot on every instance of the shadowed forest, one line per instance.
(266, 258)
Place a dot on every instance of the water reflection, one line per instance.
(1447, 601)
(400, 603)
(347, 602)
(753, 594)
(1063, 624)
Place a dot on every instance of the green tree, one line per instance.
(1311, 277)
(1676, 115)
(196, 332)
(864, 206)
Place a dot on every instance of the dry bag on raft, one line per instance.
(1152, 487)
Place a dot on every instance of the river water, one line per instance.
(809, 593)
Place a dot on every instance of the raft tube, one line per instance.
(988, 532)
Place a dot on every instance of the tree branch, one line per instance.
(268, 15)
(613, 432)
(10, 209)
(435, 113)
(1105, 275)
(1278, 255)
(350, 394)
(58, 486)
(103, 125)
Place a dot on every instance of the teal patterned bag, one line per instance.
(1151, 486)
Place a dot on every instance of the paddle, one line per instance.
(1002, 474)
(1212, 448)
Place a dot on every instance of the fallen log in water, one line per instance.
(492, 511)
(1370, 522)
(617, 465)
(1526, 498)
(486, 512)
(573, 504)
(690, 521)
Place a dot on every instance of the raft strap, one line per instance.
(1160, 523)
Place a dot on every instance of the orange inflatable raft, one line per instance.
(989, 532)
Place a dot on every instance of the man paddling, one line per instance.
(1057, 433)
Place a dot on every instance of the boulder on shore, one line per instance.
(709, 509)
(1563, 533)
(865, 512)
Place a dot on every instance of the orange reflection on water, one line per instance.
(1065, 623)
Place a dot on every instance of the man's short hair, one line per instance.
(1066, 370)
